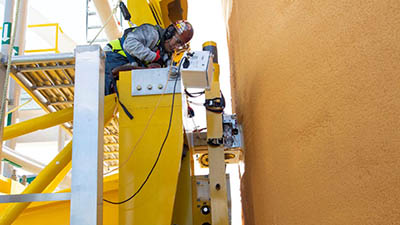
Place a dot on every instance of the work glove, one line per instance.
(158, 56)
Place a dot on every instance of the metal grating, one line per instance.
(49, 80)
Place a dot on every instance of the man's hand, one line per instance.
(158, 56)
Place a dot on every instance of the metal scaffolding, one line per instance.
(49, 79)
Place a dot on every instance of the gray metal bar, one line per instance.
(35, 197)
(94, 27)
(87, 147)
(26, 59)
(53, 86)
(60, 67)
(2, 82)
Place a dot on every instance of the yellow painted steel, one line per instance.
(141, 12)
(216, 158)
(38, 123)
(156, 9)
(29, 91)
(18, 107)
(9, 186)
(45, 121)
(47, 175)
(183, 199)
(154, 203)
(57, 180)
(173, 10)
(165, 11)
(55, 49)
(50, 213)
(200, 199)
(39, 184)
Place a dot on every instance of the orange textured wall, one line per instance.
(316, 85)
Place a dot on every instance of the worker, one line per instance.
(145, 46)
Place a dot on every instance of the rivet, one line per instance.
(149, 87)
(160, 86)
(138, 87)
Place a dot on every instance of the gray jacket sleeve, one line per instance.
(141, 41)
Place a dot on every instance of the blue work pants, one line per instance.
(113, 60)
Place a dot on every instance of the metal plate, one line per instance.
(35, 197)
(152, 82)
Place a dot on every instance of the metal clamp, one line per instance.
(215, 142)
(216, 105)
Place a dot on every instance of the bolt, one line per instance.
(149, 87)
(160, 86)
(138, 87)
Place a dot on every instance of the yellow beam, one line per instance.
(38, 184)
(216, 156)
(38, 123)
(49, 173)
(43, 122)
(57, 180)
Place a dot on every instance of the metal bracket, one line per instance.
(215, 141)
(152, 81)
(232, 132)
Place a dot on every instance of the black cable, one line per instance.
(159, 153)
(194, 94)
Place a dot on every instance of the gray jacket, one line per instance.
(142, 42)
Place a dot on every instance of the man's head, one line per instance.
(177, 35)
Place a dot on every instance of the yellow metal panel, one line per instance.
(183, 199)
(173, 10)
(5, 185)
(141, 12)
(166, 10)
(154, 203)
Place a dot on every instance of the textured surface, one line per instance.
(316, 86)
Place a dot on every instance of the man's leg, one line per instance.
(112, 60)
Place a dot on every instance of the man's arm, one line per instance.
(139, 42)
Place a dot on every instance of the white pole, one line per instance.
(14, 92)
(5, 46)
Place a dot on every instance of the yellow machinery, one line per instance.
(156, 183)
